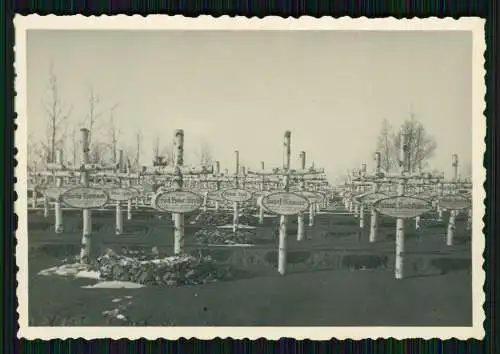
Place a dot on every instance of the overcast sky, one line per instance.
(242, 89)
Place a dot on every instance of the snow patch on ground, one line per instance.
(233, 245)
(76, 270)
(266, 216)
(230, 226)
(114, 285)
(88, 274)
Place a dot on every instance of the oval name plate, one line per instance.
(236, 195)
(454, 202)
(177, 201)
(403, 207)
(121, 194)
(285, 203)
(84, 197)
(371, 198)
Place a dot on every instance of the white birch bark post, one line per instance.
(450, 234)
(129, 202)
(360, 206)
(118, 207)
(300, 217)
(119, 219)
(217, 183)
(87, 214)
(361, 216)
(33, 197)
(262, 187)
(46, 207)
(400, 226)
(205, 201)
(469, 218)
(419, 189)
(177, 184)
(282, 247)
(236, 212)
(418, 218)
(59, 228)
(311, 215)
(439, 209)
(374, 214)
(354, 203)
(451, 228)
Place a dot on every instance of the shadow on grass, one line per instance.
(447, 265)
(54, 251)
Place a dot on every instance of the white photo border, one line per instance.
(162, 22)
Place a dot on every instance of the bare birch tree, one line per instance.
(385, 147)
(156, 151)
(167, 153)
(75, 146)
(91, 119)
(36, 155)
(58, 114)
(420, 146)
(205, 157)
(138, 147)
(114, 133)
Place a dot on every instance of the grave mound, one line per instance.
(223, 237)
(149, 269)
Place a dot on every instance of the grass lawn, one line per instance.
(335, 278)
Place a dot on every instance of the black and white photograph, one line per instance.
(309, 178)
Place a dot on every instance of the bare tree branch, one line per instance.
(58, 114)
(114, 132)
(90, 121)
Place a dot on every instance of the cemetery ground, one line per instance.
(335, 277)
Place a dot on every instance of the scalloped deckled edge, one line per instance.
(475, 25)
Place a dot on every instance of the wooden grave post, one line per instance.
(300, 217)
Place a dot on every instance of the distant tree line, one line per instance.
(62, 131)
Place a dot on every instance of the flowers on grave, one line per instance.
(149, 269)
(223, 237)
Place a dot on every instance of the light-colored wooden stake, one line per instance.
(374, 214)
(300, 218)
(311, 215)
(46, 207)
(469, 218)
(259, 202)
(33, 199)
(119, 219)
(417, 223)
(87, 214)
(59, 228)
(282, 246)
(205, 201)
(439, 209)
(450, 234)
(361, 216)
(178, 184)
(400, 226)
(217, 183)
(236, 211)
(451, 228)
(282, 249)
(373, 225)
(129, 202)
